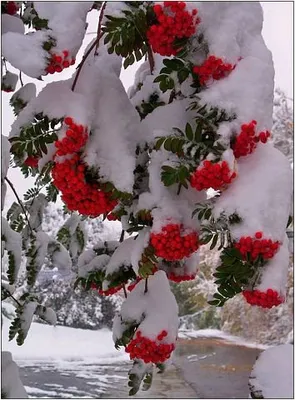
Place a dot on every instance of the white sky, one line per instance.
(278, 36)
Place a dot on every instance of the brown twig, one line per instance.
(95, 45)
(146, 285)
(122, 236)
(21, 79)
(13, 298)
(99, 26)
(82, 62)
(125, 291)
(151, 59)
(19, 202)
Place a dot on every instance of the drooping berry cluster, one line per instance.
(212, 175)
(59, 62)
(266, 299)
(76, 138)
(174, 22)
(31, 161)
(148, 350)
(212, 68)
(77, 194)
(246, 142)
(258, 246)
(173, 244)
(180, 278)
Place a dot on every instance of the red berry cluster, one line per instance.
(258, 246)
(112, 217)
(173, 23)
(266, 299)
(31, 161)
(180, 278)
(214, 68)
(171, 245)
(58, 62)
(149, 350)
(11, 8)
(107, 292)
(76, 138)
(212, 175)
(78, 195)
(246, 142)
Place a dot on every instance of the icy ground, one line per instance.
(61, 362)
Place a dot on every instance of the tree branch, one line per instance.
(98, 35)
(125, 292)
(122, 236)
(13, 298)
(95, 45)
(19, 202)
(151, 59)
(146, 285)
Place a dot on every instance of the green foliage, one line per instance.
(127, 335)
(148, 107)
(234, 274)
(147, 263)
(127, 35)
(31, 193)
(211, 117)
(179, 175)
(139, 374)
(33, 138)
(33, 266)
(175, 67)
(64, 237)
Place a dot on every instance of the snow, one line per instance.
(5, 156)
(11, 383)
(67, 20)
(154, 311)
(233, 30)
(25, 52)
(11, 23)
(273, 373)
(13, 243)
(25, 93)
(121, 256)
(267, 172)
(45, 343)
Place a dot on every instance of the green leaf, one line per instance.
(189, 132)
(214, 242)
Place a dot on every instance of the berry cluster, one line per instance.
(212, 68)
(76, 138)
(265, 248)
(149, 350)
(112, 217)
(171, 245)
(266, 299)
(11, 8)
(107, 292)
(246, 142)
(180, 278)
(212, 175)
(174, 22)
(58, 62)
(86, 198)
(31, 161)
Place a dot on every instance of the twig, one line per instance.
(13, 298)
(151, 59)
(146, 285)
(19, 202)
(98, 35)
(125, 292)
(83, 60)
(179, 189)
(122, 236)
(21, 79)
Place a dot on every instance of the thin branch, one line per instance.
(83, 60)
(151, 59)
(179, 189)
(21, 79)
(13, 298)
(19, 202)
(125, 291)
(98, 35)
(146, 285)
(122, 236)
